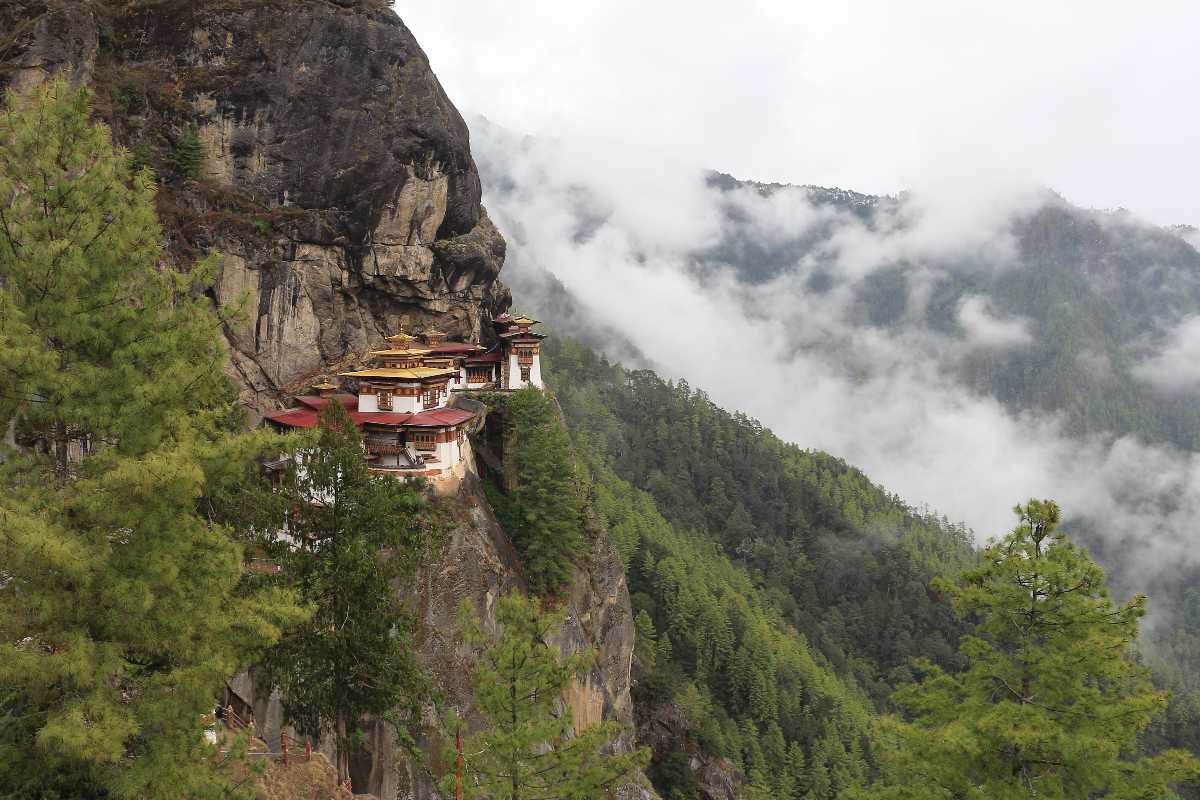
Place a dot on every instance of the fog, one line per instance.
(969, 110)
(1093, 98)
(1176, 367)
(792, 357)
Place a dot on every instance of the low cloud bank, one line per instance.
(791, 352)
(1176, 368)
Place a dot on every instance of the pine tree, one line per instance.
(546, 489)
(188, 155)
(797, 771)
(530, 749)
(645, 642)
(1052, 702)
(122, 607)
(99, 345)
(355, 534)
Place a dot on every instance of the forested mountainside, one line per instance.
(963, 346)
(780, 594)
(1106, 303)
(1100, 290)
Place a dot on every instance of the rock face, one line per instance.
(664, 727)
(475, 562)
(306, 141)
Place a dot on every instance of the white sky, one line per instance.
(1099, 100)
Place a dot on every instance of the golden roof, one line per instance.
(400, 352)
(524, 320)
(401, 336)
(411, 373)
(325, 384)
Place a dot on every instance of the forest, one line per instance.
(782, 621)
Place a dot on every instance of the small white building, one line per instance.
(521, 348)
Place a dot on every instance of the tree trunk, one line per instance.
(343, 758)
(61, 444)
(512, 695)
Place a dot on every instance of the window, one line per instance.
(431, 398)
(525, 372)
(385, 399)
(423, 440)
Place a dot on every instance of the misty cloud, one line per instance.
(932, 95)
(1176, 367)
(796, 357)
(985, 329)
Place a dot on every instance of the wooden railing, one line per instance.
(236, 724)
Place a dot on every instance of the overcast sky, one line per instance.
(1099, 100)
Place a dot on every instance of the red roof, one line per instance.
(295, 418)
(484, 358)
(318, 402)
(439, 417)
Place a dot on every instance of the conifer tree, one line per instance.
(188, 155)
(546, 489)
(530, 749)
(353, 535)
(100, 346)
(122, 607)
(1052, 702)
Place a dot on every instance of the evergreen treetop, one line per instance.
(531, 747)
(351, 536)
(100, 344)
(1052, 702)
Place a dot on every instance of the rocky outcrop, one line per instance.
(309, 143)
(474, 561)
(665, 729)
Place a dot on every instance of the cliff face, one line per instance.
(475, 562)
(306, 141)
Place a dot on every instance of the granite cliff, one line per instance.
(309, 143)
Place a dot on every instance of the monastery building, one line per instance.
(403, 403)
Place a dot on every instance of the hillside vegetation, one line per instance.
(780, 595)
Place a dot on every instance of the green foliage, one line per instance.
(188, 155)
(123, 607)
(1052, 702)
(142, 157)
(532, 749)
(99, 345)
(547, 521)
(739, 673)
(354, 535)
(844, 562)
(784, 590)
